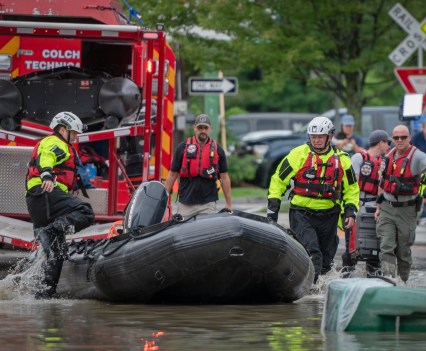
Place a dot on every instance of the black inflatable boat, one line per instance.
(227, 257)
(219, 258)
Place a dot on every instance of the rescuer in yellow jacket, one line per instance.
(322, 181)
(54, 211)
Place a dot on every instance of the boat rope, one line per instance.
(107, 253)
(143, 233)
(85, 247)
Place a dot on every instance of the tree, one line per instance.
(336, 46)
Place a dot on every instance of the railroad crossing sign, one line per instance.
(416, 38)
(413, 79)
(204, 86)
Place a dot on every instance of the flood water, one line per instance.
(28, 324)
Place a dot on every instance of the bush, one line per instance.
(241, 169)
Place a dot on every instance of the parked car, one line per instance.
(272, 148)
(242, 124)
(372, 118)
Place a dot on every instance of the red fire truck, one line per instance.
(85, 57)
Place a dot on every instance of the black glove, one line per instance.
(47, 175)
(177, 217)
(350, 211)
(348, 260)
(272, 217)
(273, 209)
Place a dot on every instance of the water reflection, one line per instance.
(91, 325)
(63, 325)
(84, 325)
(375, 341)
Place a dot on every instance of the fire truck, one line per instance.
(88, 58)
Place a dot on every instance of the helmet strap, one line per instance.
(62, 136)
(322, 150)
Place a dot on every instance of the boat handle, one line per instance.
(236, 251)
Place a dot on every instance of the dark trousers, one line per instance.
(317, 231)
(51, 214)
(45, 207)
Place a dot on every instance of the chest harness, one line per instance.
(200, 161)
(369, 175)
(318, 179)
(397, 177)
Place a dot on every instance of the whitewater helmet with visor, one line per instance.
(320, 126)
(68, 120)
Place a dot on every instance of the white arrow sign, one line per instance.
(202, 86)
(415, 39)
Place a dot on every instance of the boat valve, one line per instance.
(158, 275)
(236, 251)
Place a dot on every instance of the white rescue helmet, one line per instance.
(320, 126)
(69, 120)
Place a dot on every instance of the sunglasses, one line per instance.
(402, 137)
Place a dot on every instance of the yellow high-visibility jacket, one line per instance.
(55, 156)
(290, 166)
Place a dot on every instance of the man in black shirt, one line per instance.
(199, 162)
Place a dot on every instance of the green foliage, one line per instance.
(241, 168)
(236, 110)
(252, 192)
(289, 55)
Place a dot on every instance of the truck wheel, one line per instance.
(9, 123)
(111, 122)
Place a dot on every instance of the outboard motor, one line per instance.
(146, 207)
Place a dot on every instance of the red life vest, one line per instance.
(200, 162)
(369, 175)
(318, 179)
(397, 176)
(65, 172)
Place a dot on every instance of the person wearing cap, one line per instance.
(346, 140)
(419, 138)
(398, 203)
(199, 163)
(419, 141)
(323, 182)
(366, 165)
(54, 211)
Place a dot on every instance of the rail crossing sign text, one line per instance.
(416, 34)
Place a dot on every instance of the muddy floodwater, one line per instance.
(29, 324)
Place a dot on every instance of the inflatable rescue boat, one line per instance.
(227, 257)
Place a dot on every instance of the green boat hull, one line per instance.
(360, 304)
(390, 310)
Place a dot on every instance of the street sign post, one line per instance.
(416, 40)
(413, 79)
(205, 86)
